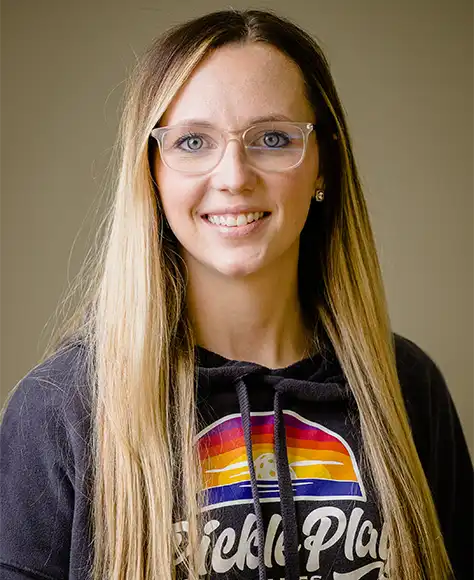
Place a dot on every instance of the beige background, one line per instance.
(404, 71)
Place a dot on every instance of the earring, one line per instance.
(319, 195)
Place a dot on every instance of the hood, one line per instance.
(318, 378)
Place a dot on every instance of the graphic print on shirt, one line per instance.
(322, 464)
(339, 541)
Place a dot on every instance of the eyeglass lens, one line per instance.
(273, 146)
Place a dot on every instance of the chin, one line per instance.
(235, 269)
(234, 264)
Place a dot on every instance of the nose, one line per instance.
(233, 173)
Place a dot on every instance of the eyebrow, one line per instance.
(251, 121)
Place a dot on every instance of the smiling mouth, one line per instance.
(235, 221)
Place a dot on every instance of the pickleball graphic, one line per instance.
(322, 464)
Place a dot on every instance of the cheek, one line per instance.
(296, 192)
(296, 203)
(179, 196)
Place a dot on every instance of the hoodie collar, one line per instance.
(321, 367)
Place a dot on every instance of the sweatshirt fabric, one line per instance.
(303, 507)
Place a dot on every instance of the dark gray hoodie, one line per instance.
(304, 508)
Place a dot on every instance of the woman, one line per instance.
(230, 401)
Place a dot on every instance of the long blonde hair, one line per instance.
(133, 319)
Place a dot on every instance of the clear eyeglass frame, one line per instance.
(158, 133)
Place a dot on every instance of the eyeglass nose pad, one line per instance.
(239, 163)
(240, 141)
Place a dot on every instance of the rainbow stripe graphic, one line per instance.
(322, 464)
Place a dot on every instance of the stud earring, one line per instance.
(319, 195)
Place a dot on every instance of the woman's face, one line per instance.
(231, 88)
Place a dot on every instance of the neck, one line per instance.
(256, 318)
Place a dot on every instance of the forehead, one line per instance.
(237, 83)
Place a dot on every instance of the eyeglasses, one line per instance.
(273, 146)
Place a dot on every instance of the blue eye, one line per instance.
(276, 139)
(193, 141)
(270, 140)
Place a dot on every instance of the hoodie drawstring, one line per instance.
(288, 512)
(244, 405)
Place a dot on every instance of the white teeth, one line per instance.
(233, 220)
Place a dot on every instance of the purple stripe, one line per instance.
(234, 423)
(294, 422)
(258, 420)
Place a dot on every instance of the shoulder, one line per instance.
(441, 447)
(55, 378)
(51, 404)
(44, 462)
(54, 382)
(420, 378)
(433, 417)
(426, 395)
(411, 358)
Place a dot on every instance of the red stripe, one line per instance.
(309, 434)
(321, 445)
